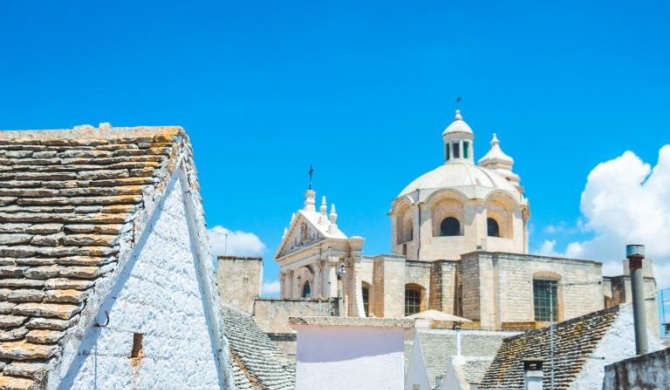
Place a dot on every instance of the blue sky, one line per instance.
(362, 92)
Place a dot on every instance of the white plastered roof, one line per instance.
(473, 181)
(458, 125)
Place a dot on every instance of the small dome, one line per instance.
(496, 157)
(457, 126)
(471, 180)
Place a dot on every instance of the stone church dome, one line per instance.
(461, 207)
(473, 181)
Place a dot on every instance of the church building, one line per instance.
(459, 244)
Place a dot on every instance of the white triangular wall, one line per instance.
(160, 295)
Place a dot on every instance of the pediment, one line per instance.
(301, 234)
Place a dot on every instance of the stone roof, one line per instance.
(256, 360)
(474, 369)
(72, 205)
(477, 349)
(574, 343)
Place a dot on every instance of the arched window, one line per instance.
(492, 227)
(413, 299)
(306, 290)
(450, 227)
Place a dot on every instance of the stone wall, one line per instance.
(497, 288)
(650, 371)
(389, 286)
(239, 280)
(418, 273)
(444, 286)
(579, 285)
(470, 284)
(272, 315)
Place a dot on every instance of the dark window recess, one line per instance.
(456, 150)
(412, 301)
(544, 299)
(366, 301)
(492, 227)
(450, 227)
(466, 149)
(306, 290)
(137, 346)
(446, 148)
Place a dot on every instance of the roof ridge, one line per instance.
(103, 132)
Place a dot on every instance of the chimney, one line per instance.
(635, 255)
(532, 374)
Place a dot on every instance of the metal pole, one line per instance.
(551, 331)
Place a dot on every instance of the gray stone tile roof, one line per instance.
(574, 341)
(69, 200)
(474, 369)
(439, 346)
(256, 360)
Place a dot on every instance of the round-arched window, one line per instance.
(306, 290)
(450, 227)
(493, 230)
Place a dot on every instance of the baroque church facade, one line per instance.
(459, 244)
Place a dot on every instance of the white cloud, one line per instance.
(548, 248)
(234, 243)
(625, 201)
(271, 288)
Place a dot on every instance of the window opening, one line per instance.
(137, 352)
(456, 150)
(412, 301)
(492, 227)
(545, 300)
(466, 149)
(450, 227)
(366, 301)
(306, 290)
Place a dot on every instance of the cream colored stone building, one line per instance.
(459, 244)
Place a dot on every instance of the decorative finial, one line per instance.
(324, 206)
(333, 214)
(311, 172)
(494, 140)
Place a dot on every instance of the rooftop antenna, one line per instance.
(311, 172)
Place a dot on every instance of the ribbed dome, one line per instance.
(472, 180)
(458, 125)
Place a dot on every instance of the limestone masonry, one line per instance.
(459, 244)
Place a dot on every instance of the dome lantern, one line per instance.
(458, 141)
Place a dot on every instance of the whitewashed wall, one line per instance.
(617, 344)
(159, 295)
(347, 357)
